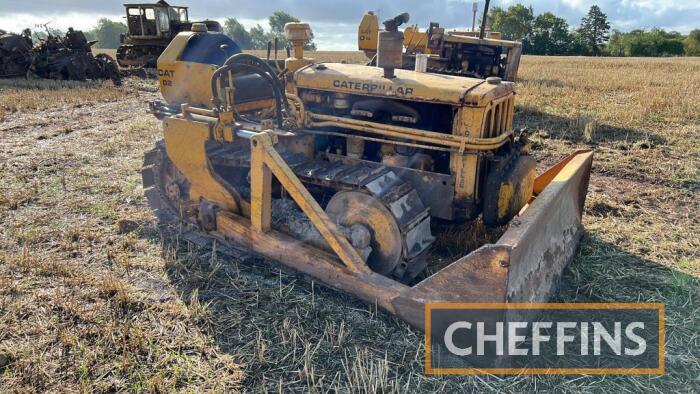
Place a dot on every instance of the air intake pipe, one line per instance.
(484, 20)
(390, 46)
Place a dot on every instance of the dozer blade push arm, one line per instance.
(265, 161)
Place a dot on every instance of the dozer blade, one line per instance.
(525, 264)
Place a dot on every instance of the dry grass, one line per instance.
(641, 116)
(93, 299)
(38, 94)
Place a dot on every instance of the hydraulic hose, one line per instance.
(255, 70)
(244, 58)
(255, 65)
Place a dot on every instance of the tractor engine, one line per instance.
(415, 123)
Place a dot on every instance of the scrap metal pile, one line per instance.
(66, 58)
(15, 53)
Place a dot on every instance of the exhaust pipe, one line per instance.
(484, 19)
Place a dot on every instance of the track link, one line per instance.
(402, 200)
(375, 179)
(155, 164)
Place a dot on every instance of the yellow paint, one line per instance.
(466, 167)
(459, 37)
(367, 33)
(267, 159)
(184, 82)
(260, 187)
(293, 64)
(408, 85)
(185, 144)
(415, 41)
(561, 172)
(190, 82)
(505, 196)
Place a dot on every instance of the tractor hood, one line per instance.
(415, 86)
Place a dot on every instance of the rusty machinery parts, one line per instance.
(472, 54)
(151, 27)
(66, 58)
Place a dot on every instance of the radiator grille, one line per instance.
(499, 117)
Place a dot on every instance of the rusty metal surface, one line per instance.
(481, 276)
(435, 190)
(543, 239)
(525, 264)
(71, 57)
(15, 54)
(378, 198)
(67, 58)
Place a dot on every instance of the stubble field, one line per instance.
(94, 299)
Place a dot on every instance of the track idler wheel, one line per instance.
(352, 208)
(395, 222)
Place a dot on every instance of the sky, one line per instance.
(335, 22)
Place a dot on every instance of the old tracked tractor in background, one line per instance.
(151, 28)
(359, 176)
(479, 54)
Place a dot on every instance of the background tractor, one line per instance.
(479, 54)
(151, 28)
(359, 176)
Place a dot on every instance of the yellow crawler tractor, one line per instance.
(352, 174)
(479, 54)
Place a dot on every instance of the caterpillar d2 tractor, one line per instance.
(479, 54)
(357, 175)
(151, 28)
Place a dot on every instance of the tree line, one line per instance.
(107, 32)
(544, 34)
(548, 34)
(257, 37)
